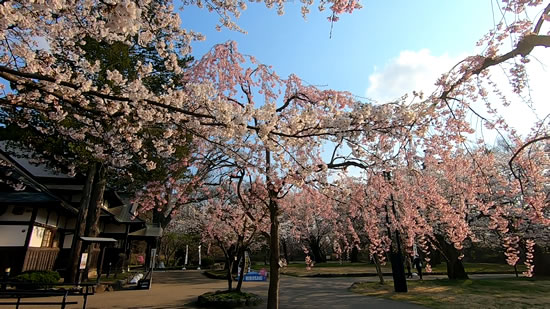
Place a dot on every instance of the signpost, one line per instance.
(83, 261)
(82, 266)
(254, 276)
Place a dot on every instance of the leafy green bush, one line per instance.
(228, 299)
(207, 262)
(37, 279)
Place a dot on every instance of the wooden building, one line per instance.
(38, 214)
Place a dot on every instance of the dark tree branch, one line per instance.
(523, 48)
(510, 163)
(541, 19)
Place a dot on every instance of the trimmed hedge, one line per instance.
(228, 299)
(37, 279)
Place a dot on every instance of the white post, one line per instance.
(186, 255)
(238, 266)
(247, 262)
(199, 258)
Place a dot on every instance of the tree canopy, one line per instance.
(250, 123)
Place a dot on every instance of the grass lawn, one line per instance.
(216, 274)
(481, 268)
(228, 299)
(299, 269)
(335, 268)
(479, 293)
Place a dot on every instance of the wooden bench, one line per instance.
(82, 289)
(36, 293)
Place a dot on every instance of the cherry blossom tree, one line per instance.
(274, 129)
(310, 218)
(63, 143)
(233, 219)
(507, 201)
(117, 111)
(284, 124)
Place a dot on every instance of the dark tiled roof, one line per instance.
(123, 214)
(149, 231)
(27, 198)
(43, 195)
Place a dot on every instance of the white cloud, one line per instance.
(519, 114)
(411, 70)
(419, 70)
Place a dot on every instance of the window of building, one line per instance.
(47, 238)
(50, 238)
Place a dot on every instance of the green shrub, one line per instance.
(37, 279)
(207, 262)
(227, 299)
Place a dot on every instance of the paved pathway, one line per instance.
(179, 289)
(170, 289)
(327, 293)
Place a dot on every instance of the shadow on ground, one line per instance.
(180, 289)
(325, 293)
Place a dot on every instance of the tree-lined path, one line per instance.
(179, 289)
(115, 87)
(299, 292)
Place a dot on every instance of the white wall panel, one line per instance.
(13, 235)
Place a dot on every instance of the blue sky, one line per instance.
(367, 39)
(382, 51)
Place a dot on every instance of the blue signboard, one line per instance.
(254, 276)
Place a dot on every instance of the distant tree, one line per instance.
(273, 128)
(233, 220)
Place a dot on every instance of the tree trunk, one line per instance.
(354, 256)
(285, 250)
(241, 274)
(541, 259)
(96, 202)
(378, 269)
(71, 276)
(396, 254)
(398, 272)
(229, 265)
(273, 292)
(455, 268)
(235, 268)
(315, 246)
(164, 217)
(435, 257)
(171, 257)
(94, 210)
